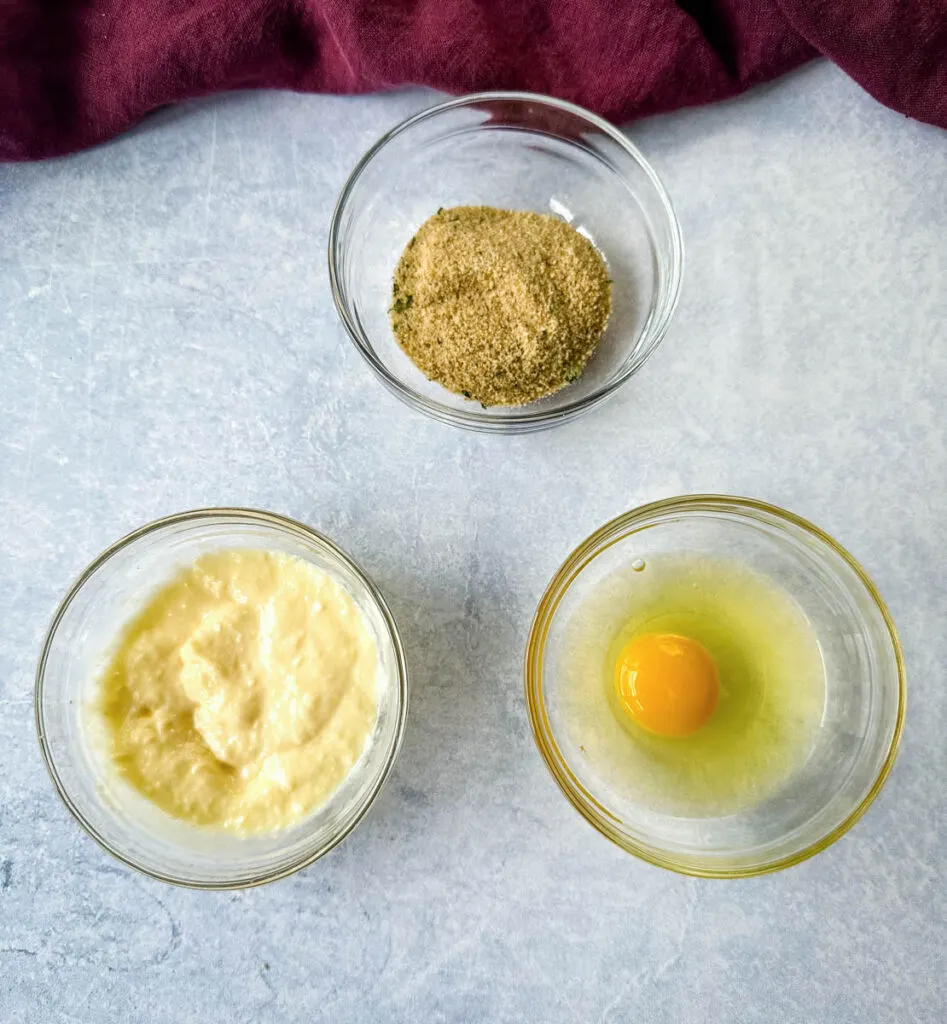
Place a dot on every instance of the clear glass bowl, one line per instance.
(855, 744)
(73, 739)
(513, 151)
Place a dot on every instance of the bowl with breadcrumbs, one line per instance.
(505, 261)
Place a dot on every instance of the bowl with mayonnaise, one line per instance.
(220, 697)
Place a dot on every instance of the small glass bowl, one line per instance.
(514, 151)
(855, 745)
(73, 739)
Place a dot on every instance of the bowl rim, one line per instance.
(235, 515)
(611, 533)
(521, 422)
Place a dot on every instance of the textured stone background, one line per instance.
(168, 340)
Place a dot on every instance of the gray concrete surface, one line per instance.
(167, 340)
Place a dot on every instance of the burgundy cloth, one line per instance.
(75, 72)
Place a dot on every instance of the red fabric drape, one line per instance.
(75, 72)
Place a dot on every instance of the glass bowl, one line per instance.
(514, 151)
(73, 740)
(854, 744)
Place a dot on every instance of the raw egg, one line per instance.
(691, 684)
(666, 683)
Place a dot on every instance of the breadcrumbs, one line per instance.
(500, 306)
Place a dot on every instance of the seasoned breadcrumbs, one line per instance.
(500, 306)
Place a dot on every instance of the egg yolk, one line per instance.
(666, 683)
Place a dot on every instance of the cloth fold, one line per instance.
(76, 72)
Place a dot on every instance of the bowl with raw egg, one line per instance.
(220, 697)
(716, 685)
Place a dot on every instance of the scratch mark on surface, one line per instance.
(175, 939)
(31, 431)
(294, 154)
(652, 975)
(90, 376)
(210, 180)
(88, 992)
(114, 391)
(68, 1018)
(681, 942)
(445, 956)
(65, 298)
(267, 984)
(57, 231)
(133, 230)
